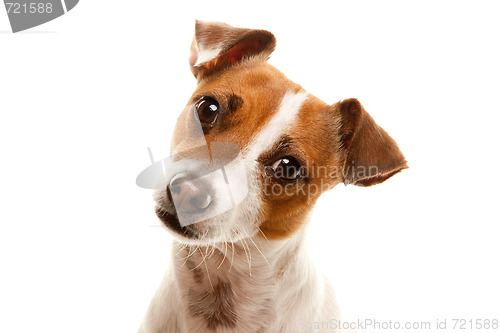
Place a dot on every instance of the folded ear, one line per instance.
(371, 155)
(219, 45)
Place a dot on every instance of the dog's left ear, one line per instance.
(371, 156)
(218, 45)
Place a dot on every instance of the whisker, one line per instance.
(201, 262)
(224, 255)
(213, 249)
(263, 235)
(248, 254)
(263, 256)
(182, 249)
(189, 255)
(208, 275)
(232, 256)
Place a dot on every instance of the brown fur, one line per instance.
(367, 145)
(215, 306)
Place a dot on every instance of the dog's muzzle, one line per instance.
(200, 183)
(190, 195)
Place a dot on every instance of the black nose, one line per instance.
(189, 195)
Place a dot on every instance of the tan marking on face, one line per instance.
(260, 86)
(315, 144)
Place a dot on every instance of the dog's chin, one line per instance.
(199, 233)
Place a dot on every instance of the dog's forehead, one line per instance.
(252, 80)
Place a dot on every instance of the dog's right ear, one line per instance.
(218, 45)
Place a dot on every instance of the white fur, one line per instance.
(257, 270)
(284, 117)
(206, 54)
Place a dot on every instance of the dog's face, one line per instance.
(254, 151)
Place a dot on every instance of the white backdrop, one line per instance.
(83, 96)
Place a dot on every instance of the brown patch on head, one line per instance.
(231, 67)
(248, 95)
(215, 306)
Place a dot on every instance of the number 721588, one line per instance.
(478, 324)
(28, 8)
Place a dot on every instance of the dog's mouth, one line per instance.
(171, 221)
(199, 231)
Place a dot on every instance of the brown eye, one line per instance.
(287, 168)
(207, 109)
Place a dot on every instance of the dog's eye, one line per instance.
(287, 168)
(207, 109)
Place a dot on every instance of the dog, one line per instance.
(251, 153)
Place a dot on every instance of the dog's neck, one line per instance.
(246, 285)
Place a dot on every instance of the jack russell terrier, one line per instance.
(252, 152)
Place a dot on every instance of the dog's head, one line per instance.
(252, 151)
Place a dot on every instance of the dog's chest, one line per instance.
(225, 297)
